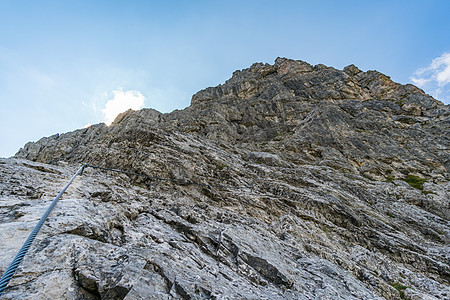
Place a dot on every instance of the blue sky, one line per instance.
(66, 64)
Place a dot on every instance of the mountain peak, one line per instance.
(343, 174)
(298, 80)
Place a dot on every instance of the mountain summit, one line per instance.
(357, 122)
(342, 192)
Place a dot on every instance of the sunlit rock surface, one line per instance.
(350, 198)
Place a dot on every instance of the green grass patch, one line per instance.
(400, 288)
(221, 166)
(362, 131)
(415, 181)
(428, 192)
(324, 229)
(281, 134)
(390, 179)
(400, 102)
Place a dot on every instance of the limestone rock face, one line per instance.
(342, 189)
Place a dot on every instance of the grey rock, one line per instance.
(321, 208)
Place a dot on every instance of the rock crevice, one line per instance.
(351, 200)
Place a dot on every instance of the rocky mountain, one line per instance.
(337, 187)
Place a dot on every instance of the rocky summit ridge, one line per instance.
(350, 198)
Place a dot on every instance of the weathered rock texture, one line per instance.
(351, 201)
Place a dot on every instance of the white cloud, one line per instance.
(435, 78)
(420, 81)
(122, 101)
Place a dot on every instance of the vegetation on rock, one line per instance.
(325, 219)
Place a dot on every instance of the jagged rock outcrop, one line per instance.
(351, 200)
(358, 122)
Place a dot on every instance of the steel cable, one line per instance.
(5, 279)
(23, 251)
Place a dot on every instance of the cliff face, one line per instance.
(357, 122)
(351, 200)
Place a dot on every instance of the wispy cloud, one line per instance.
(122, 101)
(435, 78)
